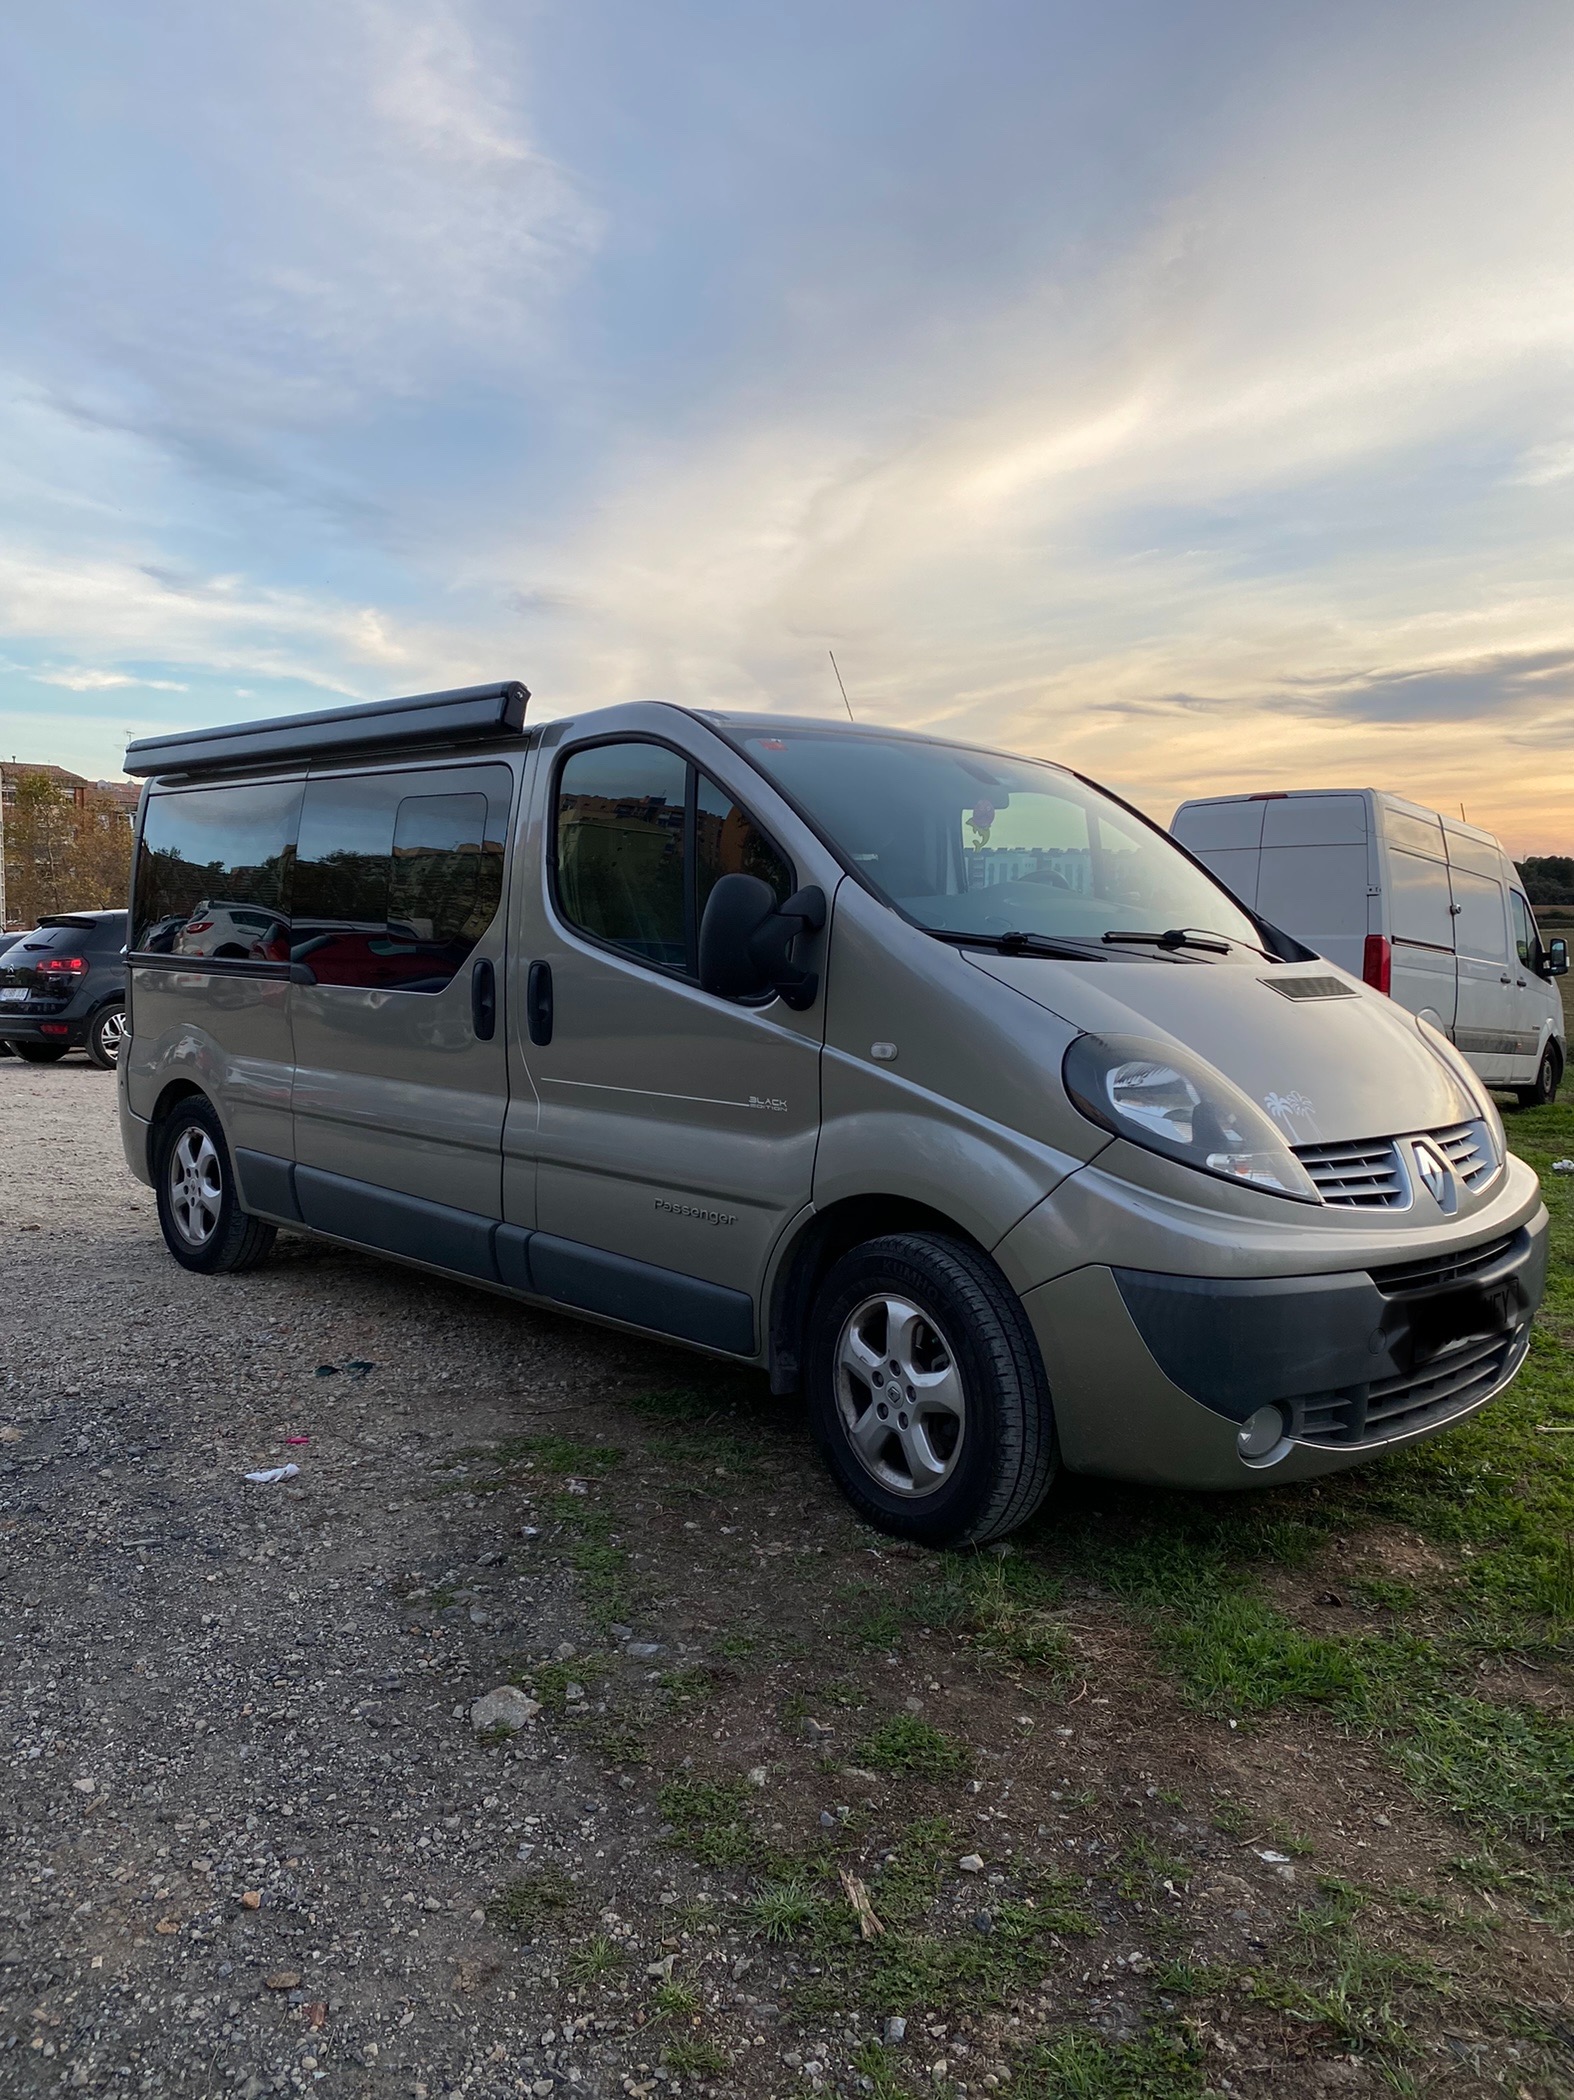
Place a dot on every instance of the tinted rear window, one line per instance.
(213, 872)
(59, 940)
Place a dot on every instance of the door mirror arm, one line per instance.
(746, 941)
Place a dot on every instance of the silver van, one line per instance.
(936, 1082)
(1426, 909)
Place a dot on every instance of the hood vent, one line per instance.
(1309, 987)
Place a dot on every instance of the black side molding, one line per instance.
(642, 1294)
(536, 1264)
(431, 1232)
(267, 1184)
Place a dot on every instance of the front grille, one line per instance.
(1441, 1269)
(1448, 1386)
(1468, 1151)
(1365, 1176)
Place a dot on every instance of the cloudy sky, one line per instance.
(1182, 390)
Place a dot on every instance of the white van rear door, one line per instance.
(1225, 836)
(1419, 922)
(1312, 875)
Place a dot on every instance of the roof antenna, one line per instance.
(831, 653)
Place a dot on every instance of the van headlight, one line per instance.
(1161, 1097)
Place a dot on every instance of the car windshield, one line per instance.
(967, 842)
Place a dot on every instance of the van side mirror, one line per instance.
(746, 941)
(1557, 957)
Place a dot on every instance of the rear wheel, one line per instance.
(1549, 1074)
(105, 1036)
(927, 1393)
(203, 1224)
(40, 1053)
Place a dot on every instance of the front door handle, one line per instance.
(483, 1000)
(538, 1003)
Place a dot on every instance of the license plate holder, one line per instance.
(1475, 1313)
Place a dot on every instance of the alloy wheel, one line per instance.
(900, 1395)
(196, 1186)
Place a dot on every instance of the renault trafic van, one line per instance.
(1430, 911)
(937, 1082)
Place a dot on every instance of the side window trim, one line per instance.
(694, 771)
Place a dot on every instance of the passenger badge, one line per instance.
(1436, 1177)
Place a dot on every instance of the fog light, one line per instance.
(1260, 1432)
(53, 1028)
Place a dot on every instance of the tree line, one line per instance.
(1548, 878)
(62, 854)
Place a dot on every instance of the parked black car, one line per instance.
(63, 986)
(7, 940)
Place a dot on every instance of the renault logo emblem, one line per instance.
(1436, 1178)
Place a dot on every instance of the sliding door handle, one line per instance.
(483, 1000)
(538, 1003)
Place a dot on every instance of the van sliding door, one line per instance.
(401, 1080)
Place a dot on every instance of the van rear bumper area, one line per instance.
(1154, 1375)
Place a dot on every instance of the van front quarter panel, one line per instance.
(941, 1085)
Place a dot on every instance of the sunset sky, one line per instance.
(1183, 391)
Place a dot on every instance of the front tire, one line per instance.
(40, 1053)
(927, 1393)
(1549, 1074)
(199, 1213)
(105, 1036)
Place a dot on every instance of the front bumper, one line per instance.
(1152, 1373)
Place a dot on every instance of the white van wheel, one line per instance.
(927, 1393)
(1549, 1074)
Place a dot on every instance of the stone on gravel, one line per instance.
(970, 1863)
(506, 1706)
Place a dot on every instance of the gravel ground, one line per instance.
(246, 1830)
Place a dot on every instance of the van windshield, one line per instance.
(967, 842)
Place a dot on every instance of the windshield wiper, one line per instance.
(1069, 949)
(1176, 937)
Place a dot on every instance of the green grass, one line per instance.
(911, 1746)
(708, 1820)
(695, 2056)
(524, 1905)
(674, 2001)
(785, 1910)
(875, 2062)
(595, 1961)
(1084, 2066)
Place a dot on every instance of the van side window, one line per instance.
(398, 876)
(1526, 944)
(620, 859)
(214, 870)
(1481, 931)
(642, 839)
(727, 841)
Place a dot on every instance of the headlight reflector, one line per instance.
(1161, 1097)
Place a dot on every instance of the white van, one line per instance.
(1426, 909)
